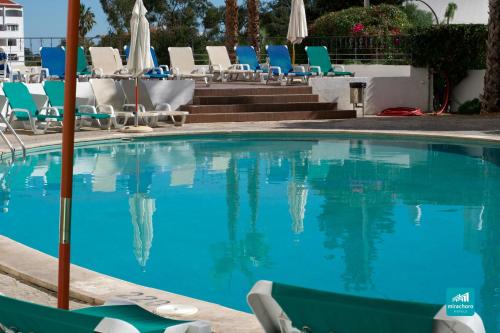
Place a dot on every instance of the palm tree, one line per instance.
(253, 23)
(232, 27)
(491, 96)
(450, 12)
(87, 21)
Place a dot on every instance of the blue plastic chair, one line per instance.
(159, 72)
(247, 55)
(280, 64)
(53, 62)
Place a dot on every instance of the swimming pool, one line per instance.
(207, 216)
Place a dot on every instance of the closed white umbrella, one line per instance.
(297, 28)
(139, 59)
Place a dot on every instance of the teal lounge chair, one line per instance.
(113, 317)
(83, 69)
(289, 309)
(30, 110)
(55, 93)
(280, 65)
(319, 62)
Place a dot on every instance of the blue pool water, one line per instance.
(208, 216)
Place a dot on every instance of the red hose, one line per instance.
(446, 96)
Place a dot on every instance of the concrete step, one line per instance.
(254, 99)
(228, 90)
(259, 107)
(269, 116)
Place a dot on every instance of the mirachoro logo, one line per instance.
(460, 302)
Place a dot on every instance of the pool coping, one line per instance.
(36, 268)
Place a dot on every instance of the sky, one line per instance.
(38, 14)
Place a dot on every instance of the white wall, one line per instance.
(471, 87)
(385, 88)
(468, 11)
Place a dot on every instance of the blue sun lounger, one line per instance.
(116, 316)
(288, 309)
(160, 72)
(53, 62)
(246, 55)
(280, 65)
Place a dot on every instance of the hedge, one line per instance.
(452, 49)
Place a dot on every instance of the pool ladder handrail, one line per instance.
(7, 141)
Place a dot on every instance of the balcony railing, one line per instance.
(343, 49)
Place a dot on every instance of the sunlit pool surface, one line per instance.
(208, 216)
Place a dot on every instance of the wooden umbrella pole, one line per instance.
(68, 141)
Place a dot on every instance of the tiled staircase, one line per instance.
(260, 103)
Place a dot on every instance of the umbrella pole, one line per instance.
(293, 53)
(136, 120)
(68, 155)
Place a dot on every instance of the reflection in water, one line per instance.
(384, 218)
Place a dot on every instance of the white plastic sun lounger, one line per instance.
(110, 98)
(220, 64)
(164, 108)
(107, 63)
(288, 309)
(183, 66)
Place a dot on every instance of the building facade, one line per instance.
(12, 30)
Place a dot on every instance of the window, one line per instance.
(3, 42)
(13, 57)
(12, 42)
(13, 13)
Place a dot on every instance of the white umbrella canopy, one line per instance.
(139, 60)
(297, 27)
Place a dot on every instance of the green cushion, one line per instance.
(94, 115)
(20, 98)
(330, 312)
(30, 317)
(141, 319)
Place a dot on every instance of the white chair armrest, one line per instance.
(163, 107)
(273, 68)
(127, 107)
(316, 70)
(299, 69)
(105, 108)
(98, 72)
(87, 109)
(338, 68)
(49, 110)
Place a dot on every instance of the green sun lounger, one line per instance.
(319, 62)
(287, 309)
(32, 114)
(82, 66)
(55, 93)
(115, 317)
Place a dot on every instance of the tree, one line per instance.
(232, 28)
(254, 23)
(87, 21)
(491, 96)
(119, 12)
(450, 12)
(418, 18)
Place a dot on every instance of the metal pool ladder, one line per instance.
(4, 126)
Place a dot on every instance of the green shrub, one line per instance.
(452, 49)
(418, 18)
(376, 20)
(470, 107)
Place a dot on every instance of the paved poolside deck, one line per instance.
(33, 278)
